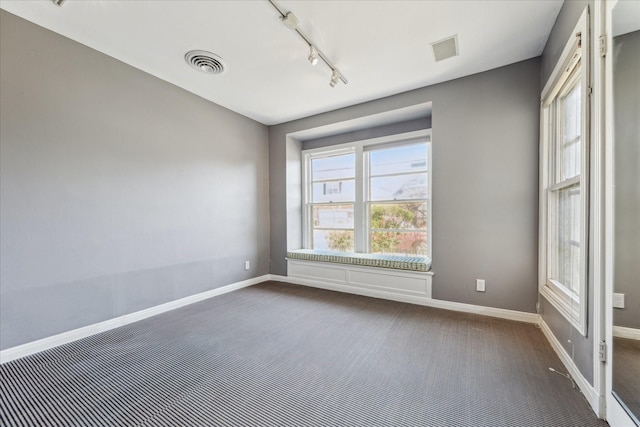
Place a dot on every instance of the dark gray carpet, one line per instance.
(283, 355)
(626, 372)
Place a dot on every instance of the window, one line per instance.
(370, 196)
(397, 199)
(564, 175)
(333, 195)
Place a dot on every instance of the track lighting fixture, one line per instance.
(291, 21)
(59, 3)
(313, 55)
(334, 79)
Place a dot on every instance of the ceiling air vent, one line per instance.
(205, 62)
(446, 48)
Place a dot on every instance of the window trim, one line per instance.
(572, 307)
(360, 204)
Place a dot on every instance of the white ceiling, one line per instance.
(382, 47)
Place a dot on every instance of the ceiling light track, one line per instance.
(291, 21)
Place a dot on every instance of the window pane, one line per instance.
(400, 243)
(398, 216)
(571, 132)
(403, 159)
(412, 186)
(568, 238)
(339, 216)
(334, 191)
(571, 113)
(333, 240)
(571, 159)
(334, 167)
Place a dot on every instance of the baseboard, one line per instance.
(85, 331)
(628, 333)
(595, 400)
(429, 302)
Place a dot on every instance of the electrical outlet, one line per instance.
(247, 265)
(618, 300)
(480, 285)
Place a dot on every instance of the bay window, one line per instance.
(369, 196)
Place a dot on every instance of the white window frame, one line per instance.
(307, 181)
(575, 54)
(361, 243)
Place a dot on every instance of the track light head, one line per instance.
(334, 79)
(59, 3)
(290, 21)
(313, 55)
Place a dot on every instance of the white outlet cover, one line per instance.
(618, 300)
(480, 286)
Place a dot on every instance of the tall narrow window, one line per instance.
(565, 189)
(564, 174)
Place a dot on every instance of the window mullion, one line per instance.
(569, 182)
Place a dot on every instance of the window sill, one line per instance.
(396, 262)
(566, 305)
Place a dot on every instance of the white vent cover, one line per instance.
(205, 62)
(445, 48)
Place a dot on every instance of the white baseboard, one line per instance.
(429, 302)
(628, 333)
(595, 400)
(66, 337)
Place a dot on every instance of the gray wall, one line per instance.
(626, 98)
(579, 346)
(370, 133)
(485, 182)
(564, 25)
(119, 191)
